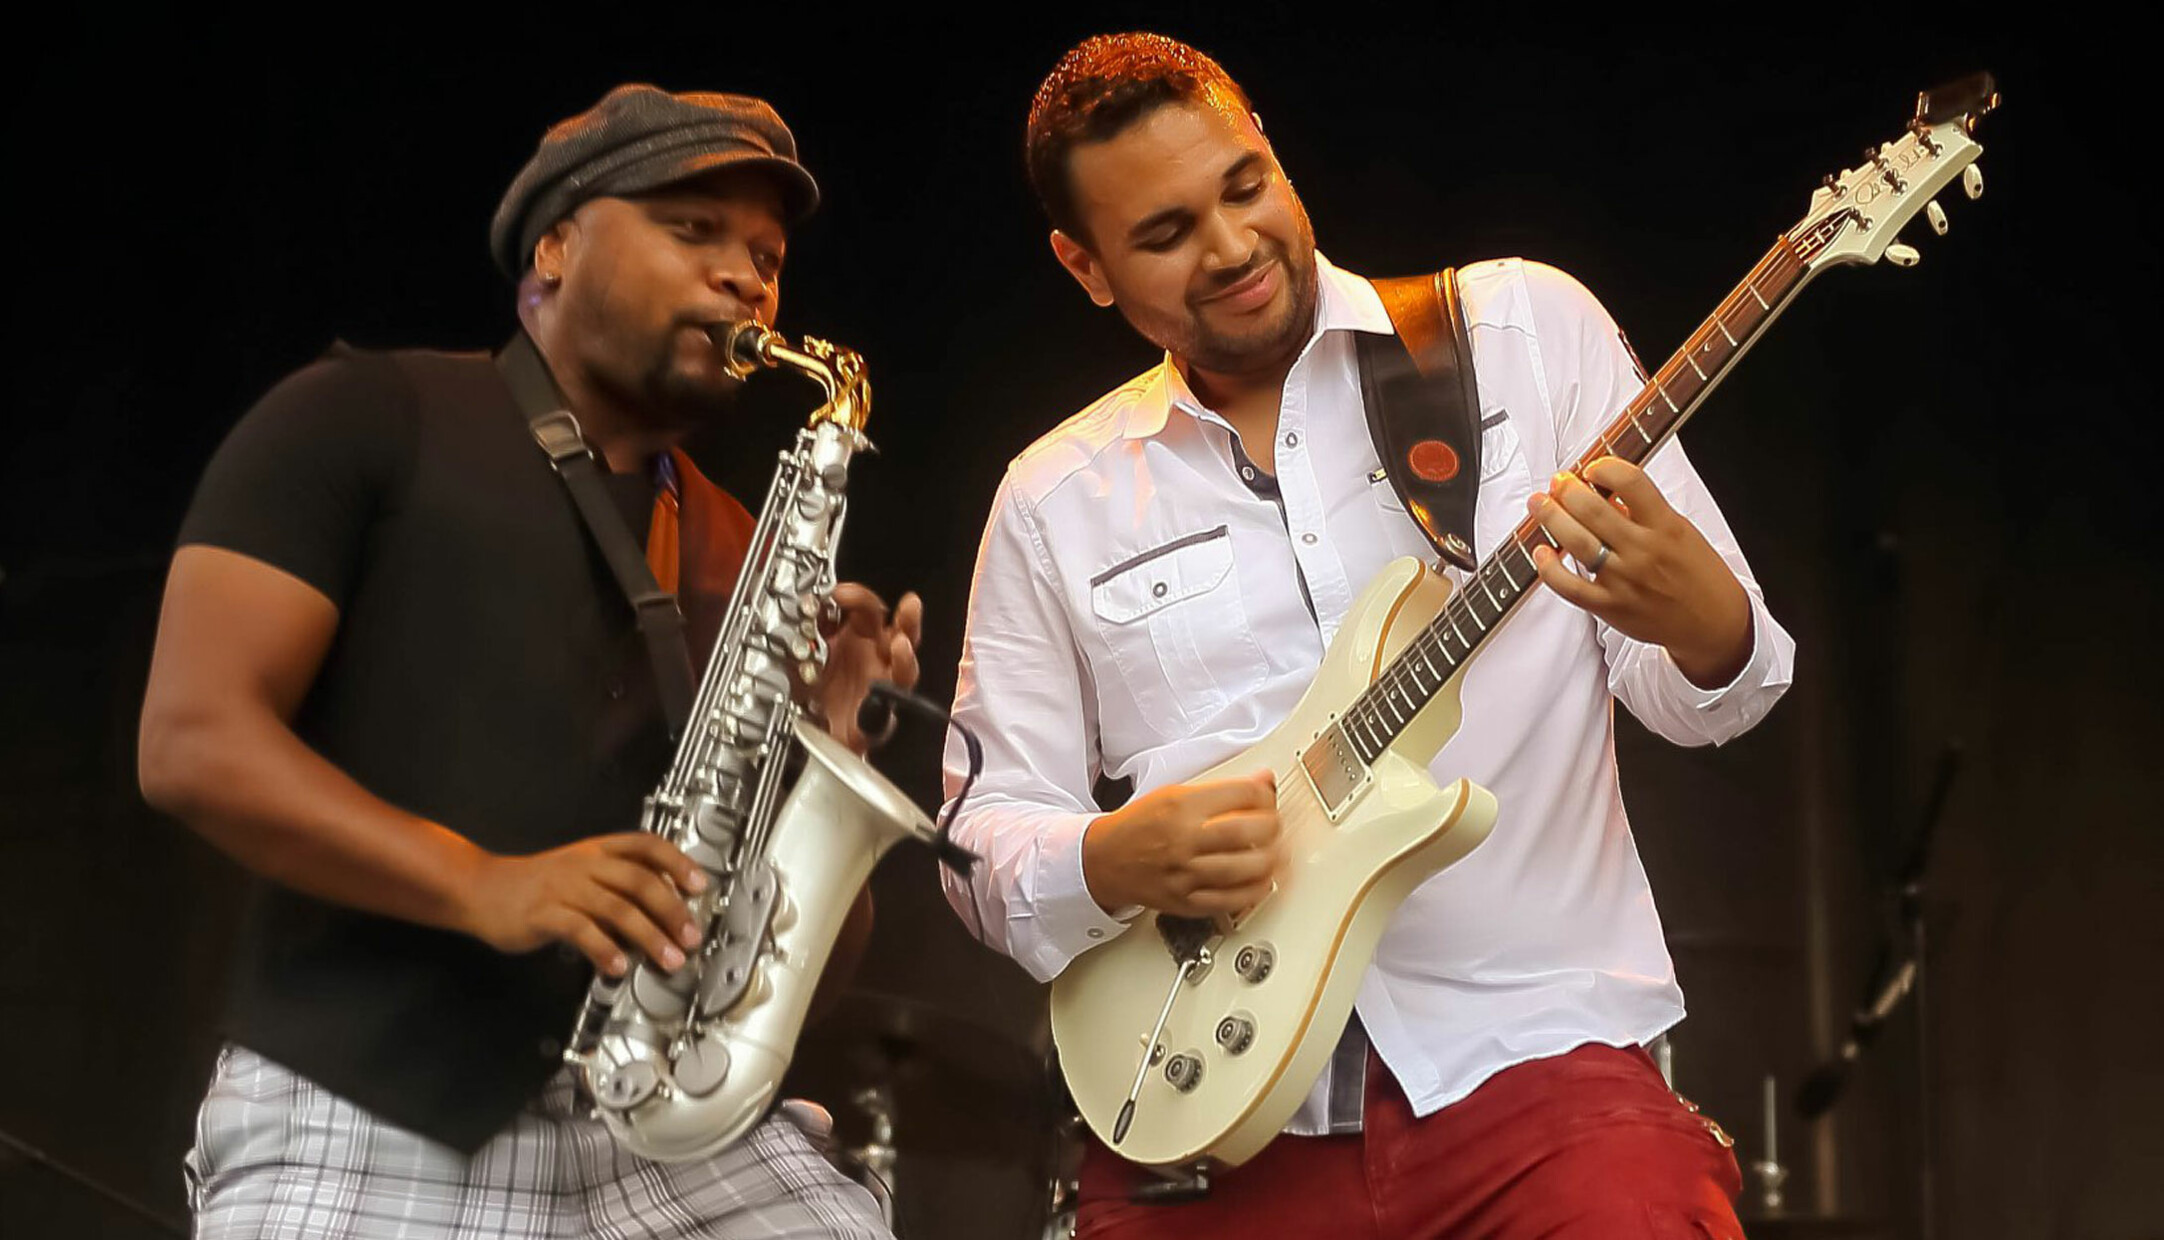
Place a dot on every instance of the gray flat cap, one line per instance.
(641, 138)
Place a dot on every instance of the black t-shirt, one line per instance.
(486, 674)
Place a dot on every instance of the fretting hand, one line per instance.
(1648, 572)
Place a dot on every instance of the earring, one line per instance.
(552, 278)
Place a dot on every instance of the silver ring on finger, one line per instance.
(1600, 557)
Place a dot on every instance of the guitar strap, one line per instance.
(661, 621)
(1423, 408)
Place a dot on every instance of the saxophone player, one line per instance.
(394, 678)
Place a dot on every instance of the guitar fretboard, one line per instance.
(1673, 393)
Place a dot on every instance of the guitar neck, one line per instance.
(1674, 392)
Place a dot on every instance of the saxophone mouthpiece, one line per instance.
(742, 345)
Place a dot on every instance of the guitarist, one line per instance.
(1158, 580)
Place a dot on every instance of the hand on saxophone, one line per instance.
(867, 646)
(604, 896)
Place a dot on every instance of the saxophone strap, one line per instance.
(1423, 408)
(660, 620)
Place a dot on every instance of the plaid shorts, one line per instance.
(278, 1157)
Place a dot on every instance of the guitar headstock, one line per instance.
(1855, 215)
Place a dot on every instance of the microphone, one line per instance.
(875, 715)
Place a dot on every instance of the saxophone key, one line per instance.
(664, 997)
(627, 1085)
(702, 1067)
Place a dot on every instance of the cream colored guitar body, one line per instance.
(1251, 1029)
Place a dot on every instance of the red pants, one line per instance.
(1590, 1144)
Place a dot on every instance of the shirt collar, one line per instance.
(1345, 302)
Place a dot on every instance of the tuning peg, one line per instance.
(1903, 255)
(1972, 181)
(1937, 215)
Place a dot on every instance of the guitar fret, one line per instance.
(1753, 290)
(1692, 362)
(1366, 723)
(1664, 395)
(1638, 426)
(1724, 330)
(1425, 658)
(1457, 632)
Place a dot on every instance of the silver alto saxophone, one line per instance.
(786, 820)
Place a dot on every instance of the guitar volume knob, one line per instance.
(1236, 1033)
(1184, 1071)
(1254, 961)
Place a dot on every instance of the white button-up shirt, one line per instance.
(1140, 611)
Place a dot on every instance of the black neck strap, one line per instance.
(1423, 408)
(661, 621)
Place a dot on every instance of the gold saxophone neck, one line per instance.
(749, 346)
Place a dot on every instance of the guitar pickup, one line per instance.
(1334, 769)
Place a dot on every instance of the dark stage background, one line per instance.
(1935, 472)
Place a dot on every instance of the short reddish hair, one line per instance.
(1099, 89)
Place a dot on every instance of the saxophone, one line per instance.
(786, 820)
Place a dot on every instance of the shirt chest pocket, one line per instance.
(1173, 621)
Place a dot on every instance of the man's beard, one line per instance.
(669, 397)
(1267, 344)
(1195, 342)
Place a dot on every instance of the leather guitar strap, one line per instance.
(1423, 408)
(661, 621)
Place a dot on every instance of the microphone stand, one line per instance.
(1900, 973)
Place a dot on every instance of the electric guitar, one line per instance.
(1187, 1042)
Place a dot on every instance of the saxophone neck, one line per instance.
(749, 346)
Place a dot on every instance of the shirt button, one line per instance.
(1095, 933)
(1292, 439)
(1158, 590)
(1309, 539)
(1247, 472)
